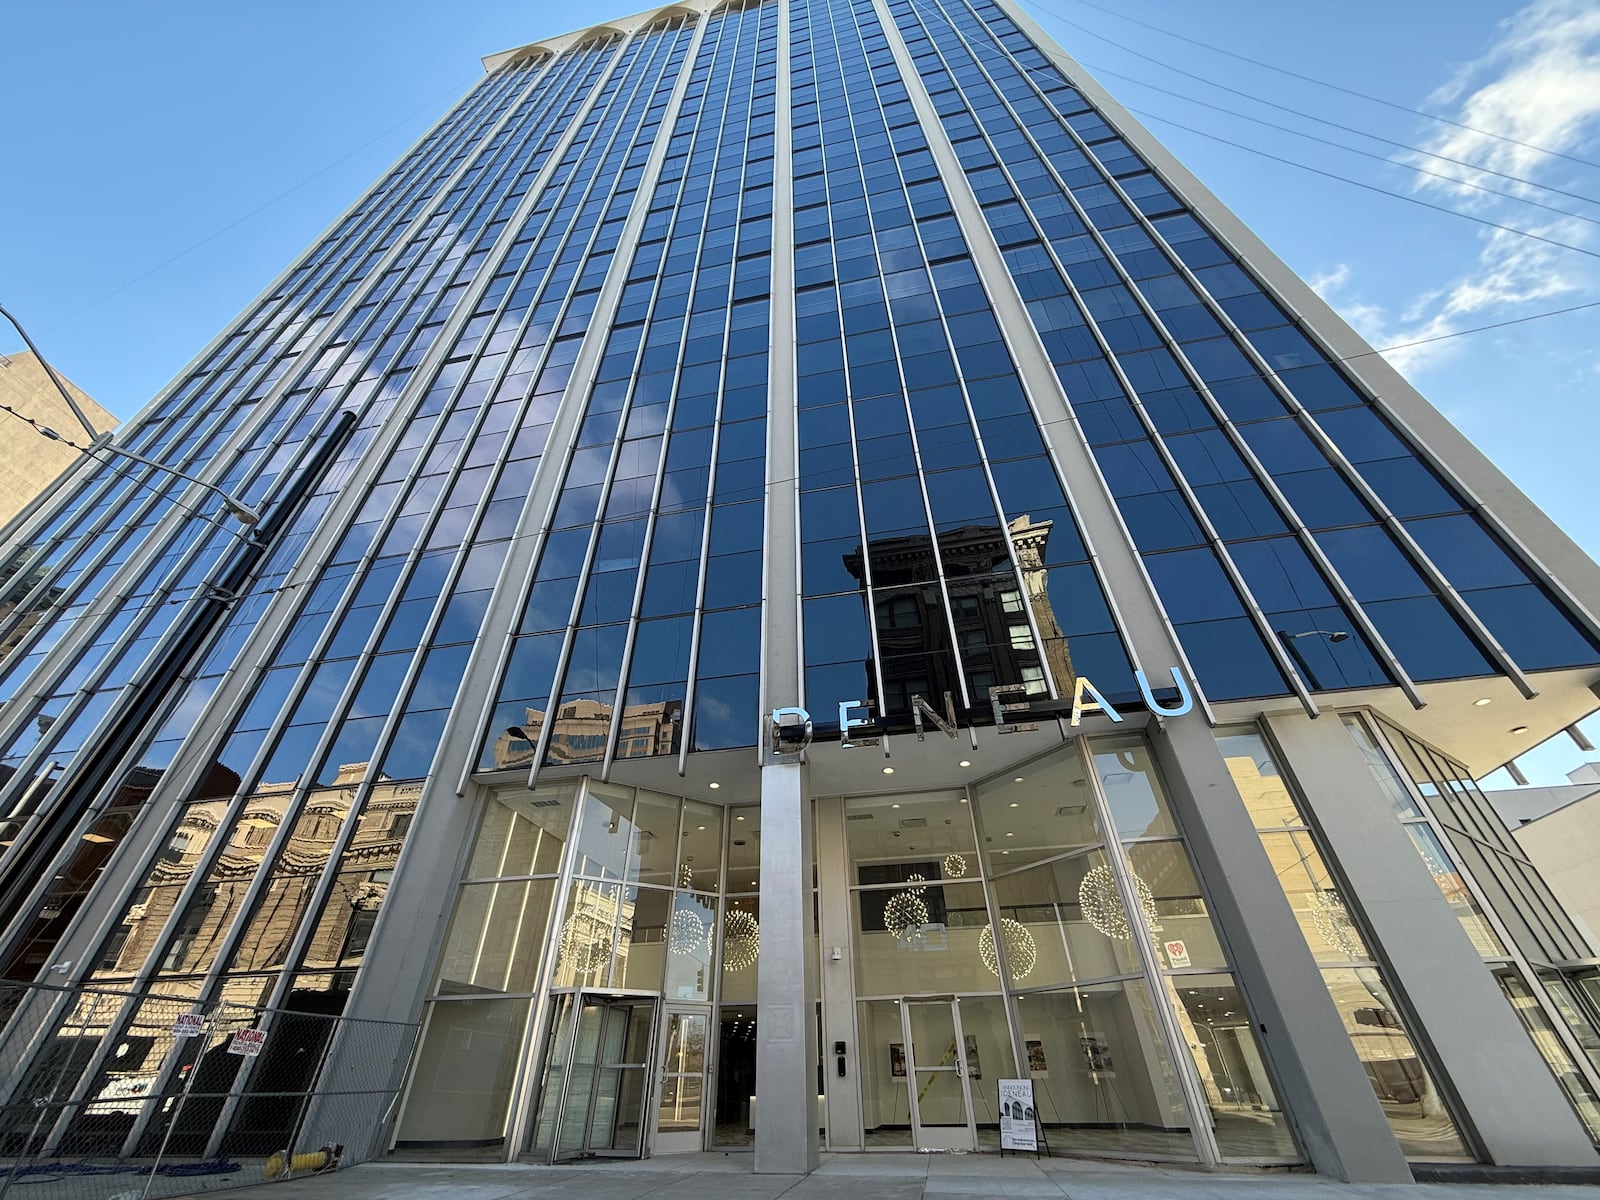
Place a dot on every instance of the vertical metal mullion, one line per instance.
(691, 686)
(1252, 609)
(1525, 967)
(855, 456)
(1296, 526)
(525, 1088)
(1397, 530)
(1177, 1045)
(643, 63)
(649, 177)
(977, 232)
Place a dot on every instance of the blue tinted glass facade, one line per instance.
(525, 430)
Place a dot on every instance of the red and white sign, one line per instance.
(189, 1024)
(1177, 954)
(247, 1042)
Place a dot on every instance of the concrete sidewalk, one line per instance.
(862, 1177)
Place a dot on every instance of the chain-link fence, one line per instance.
(121, 1095)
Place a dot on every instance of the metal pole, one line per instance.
(183, 1097)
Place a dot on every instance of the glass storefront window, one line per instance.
(1244, 1108)
(496, 937)
(1580, 1093)
(1068, 943)
(740, 937)
(607, 847)
(1410, 1099)
(1042, 810)
(1132, 788)
(930, 937)
(690, 937)
(523, 832)
(885, 1088)
(1102, 1077)
(463, 1075)
(1455, 890)
(1176, 910)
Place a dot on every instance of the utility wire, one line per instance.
(1383, 158)
(260, 208)
(1371, 187)
(1460, 162)
(1256, 62)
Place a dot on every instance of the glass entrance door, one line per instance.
(680, 1104)
(941, 1099)
(607, 1078)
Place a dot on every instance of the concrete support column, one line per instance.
(786, 1026)
(838, 979)
(1324, 1087)
(1506, 1093)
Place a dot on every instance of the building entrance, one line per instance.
(939, 1075)
(683, 1057)
(598, 1077)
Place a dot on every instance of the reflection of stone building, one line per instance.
(988, 614)
(582, 728)
(200, 934)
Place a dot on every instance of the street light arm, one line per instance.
(245, 514)
(51, 371)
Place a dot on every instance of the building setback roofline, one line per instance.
(625, 25)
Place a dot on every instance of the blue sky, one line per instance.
(165, 161)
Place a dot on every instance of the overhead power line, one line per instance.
(1360, 95)
(1210, 82)
(256, 211)
(1371, 187)
(1384, 158)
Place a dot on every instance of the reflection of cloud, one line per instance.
(1539, 85)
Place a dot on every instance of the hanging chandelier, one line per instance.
(688, 934)
(1331, 919)
(685, 875)
(955, 866)
(906, 911)
(1020, 949)
(1102, 905)
(741, 940)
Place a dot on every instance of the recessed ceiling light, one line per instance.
(715, 785)
(1480, 702)
(1014, 804)
(963, 799)
(701, 828)
(1519, 729)
(889, 771)
(966, 762)
(1018, 779)
(1011, 835)
(894, 806)
(740, 817)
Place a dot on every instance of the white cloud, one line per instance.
(1539, 85)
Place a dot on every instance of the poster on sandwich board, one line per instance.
(1017, 1128)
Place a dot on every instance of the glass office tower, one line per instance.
(785, 564)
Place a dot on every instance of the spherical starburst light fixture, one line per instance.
(688, 934)
(1020, 949)
(955, 866)
(906, 911)
(585, 944)
(1102, 906)
(1331, 919)
(741, 940)
(685, 875)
